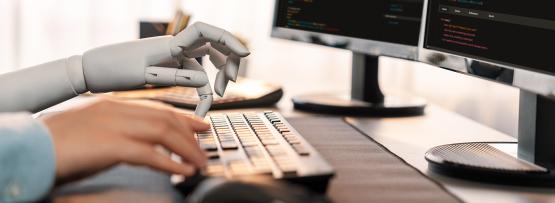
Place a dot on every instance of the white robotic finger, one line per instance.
(221, 48)
(232, 67)
(217, 58)
(184, 40)
(209, 32)
(190, 63)
(204, 105)
(197, 45)
(228, 65)
(235, 45)
(202, 31)
(188, 38)
(205, 92)
(221, 83)
(171, 77)
(198, 52)
(205, 102)
(229, 72)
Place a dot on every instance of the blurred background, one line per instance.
(37, 31)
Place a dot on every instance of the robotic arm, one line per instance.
(128, 65)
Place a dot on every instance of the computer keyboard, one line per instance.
(245, 93)
(248, 144)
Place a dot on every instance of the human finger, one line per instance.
(137, 153)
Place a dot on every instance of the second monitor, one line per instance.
(368, 28)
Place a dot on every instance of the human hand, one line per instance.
(97, 136)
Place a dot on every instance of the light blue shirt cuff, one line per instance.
(27, 162)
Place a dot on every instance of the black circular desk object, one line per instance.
(492, 162)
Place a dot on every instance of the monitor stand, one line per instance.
(530, 162)
(366, 99)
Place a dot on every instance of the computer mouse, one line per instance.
(252, 190)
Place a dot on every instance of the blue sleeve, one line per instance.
(27, 164)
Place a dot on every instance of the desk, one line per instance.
(408, 138)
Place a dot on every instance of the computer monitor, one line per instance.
(509, 42)
(368, 28)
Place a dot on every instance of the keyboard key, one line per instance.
(224, 131)
(212, 155)
(283, 130)
(265, 136)
(262, 168)
(226, 135)
(214, 169)
(300, 149)
(293, 140)
(284, 160)
(209, 147)
(258, 160)
(290, 137)
(248, 140)
(258, 149)
(239, 168)
(249, 143)
(269, 142)
(288, 170)
(249, 133)
(227, 145)
(276, 150)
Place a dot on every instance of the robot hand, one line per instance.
(224, 50)
(133, 64)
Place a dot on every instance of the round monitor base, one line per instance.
(332, 104)
(491, 162)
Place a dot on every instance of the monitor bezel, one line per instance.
(540, 83)
(358, 45)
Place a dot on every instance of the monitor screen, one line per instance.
(393, 21)
(511, 33)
